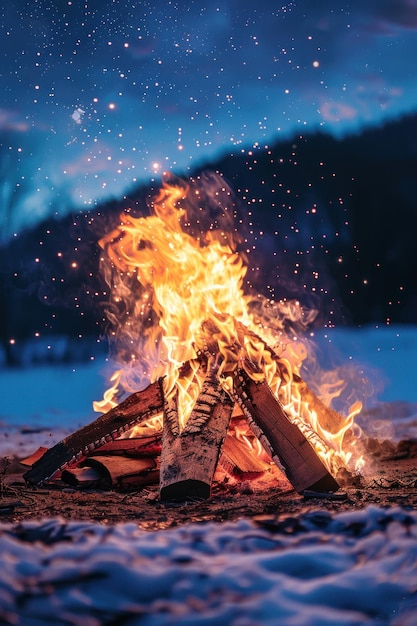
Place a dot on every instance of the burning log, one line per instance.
(189, 458)
(137, 408)
(283, 440)
(239, 461)
(330, 420)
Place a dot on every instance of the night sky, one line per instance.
(100, 95)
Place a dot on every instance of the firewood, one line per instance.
(35, 456)
(149, 445)
(83, 477)
(239, 461)
(137, 408)
(123, 473)
(189, 457)
(330, 420)
(283, 441)
(116, 472)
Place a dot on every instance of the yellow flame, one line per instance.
(177, 291)
(108, 402)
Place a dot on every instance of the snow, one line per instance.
(316, 569)
(51, 395)
(41, 404)
(346, 569)
(385, 353)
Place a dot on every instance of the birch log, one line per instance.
(189, 457)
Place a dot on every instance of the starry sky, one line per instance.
(100, 95)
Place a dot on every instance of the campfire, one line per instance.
(210, 375)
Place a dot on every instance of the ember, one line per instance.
(180, 317)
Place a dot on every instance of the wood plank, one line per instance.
(35, 456)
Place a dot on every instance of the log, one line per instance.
(330, 420)
(283, 441)
(149, 445)
(239, 461)
(84, 477)
(118, 472)
(189, 458)
(137, 408)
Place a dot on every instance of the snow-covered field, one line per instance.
(350, 569)
(386, 354)
(353, 568)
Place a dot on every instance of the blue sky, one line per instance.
(100, 95)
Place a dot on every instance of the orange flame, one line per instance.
(177, 290)
(108, 402)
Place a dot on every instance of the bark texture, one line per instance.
(283, 440)
(189, 457)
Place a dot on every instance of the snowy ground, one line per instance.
(318, 569)
(354, 568)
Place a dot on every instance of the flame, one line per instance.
(177, 291)
(108, 402)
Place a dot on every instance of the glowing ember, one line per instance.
(176, 281)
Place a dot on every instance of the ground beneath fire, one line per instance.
(391, 481)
